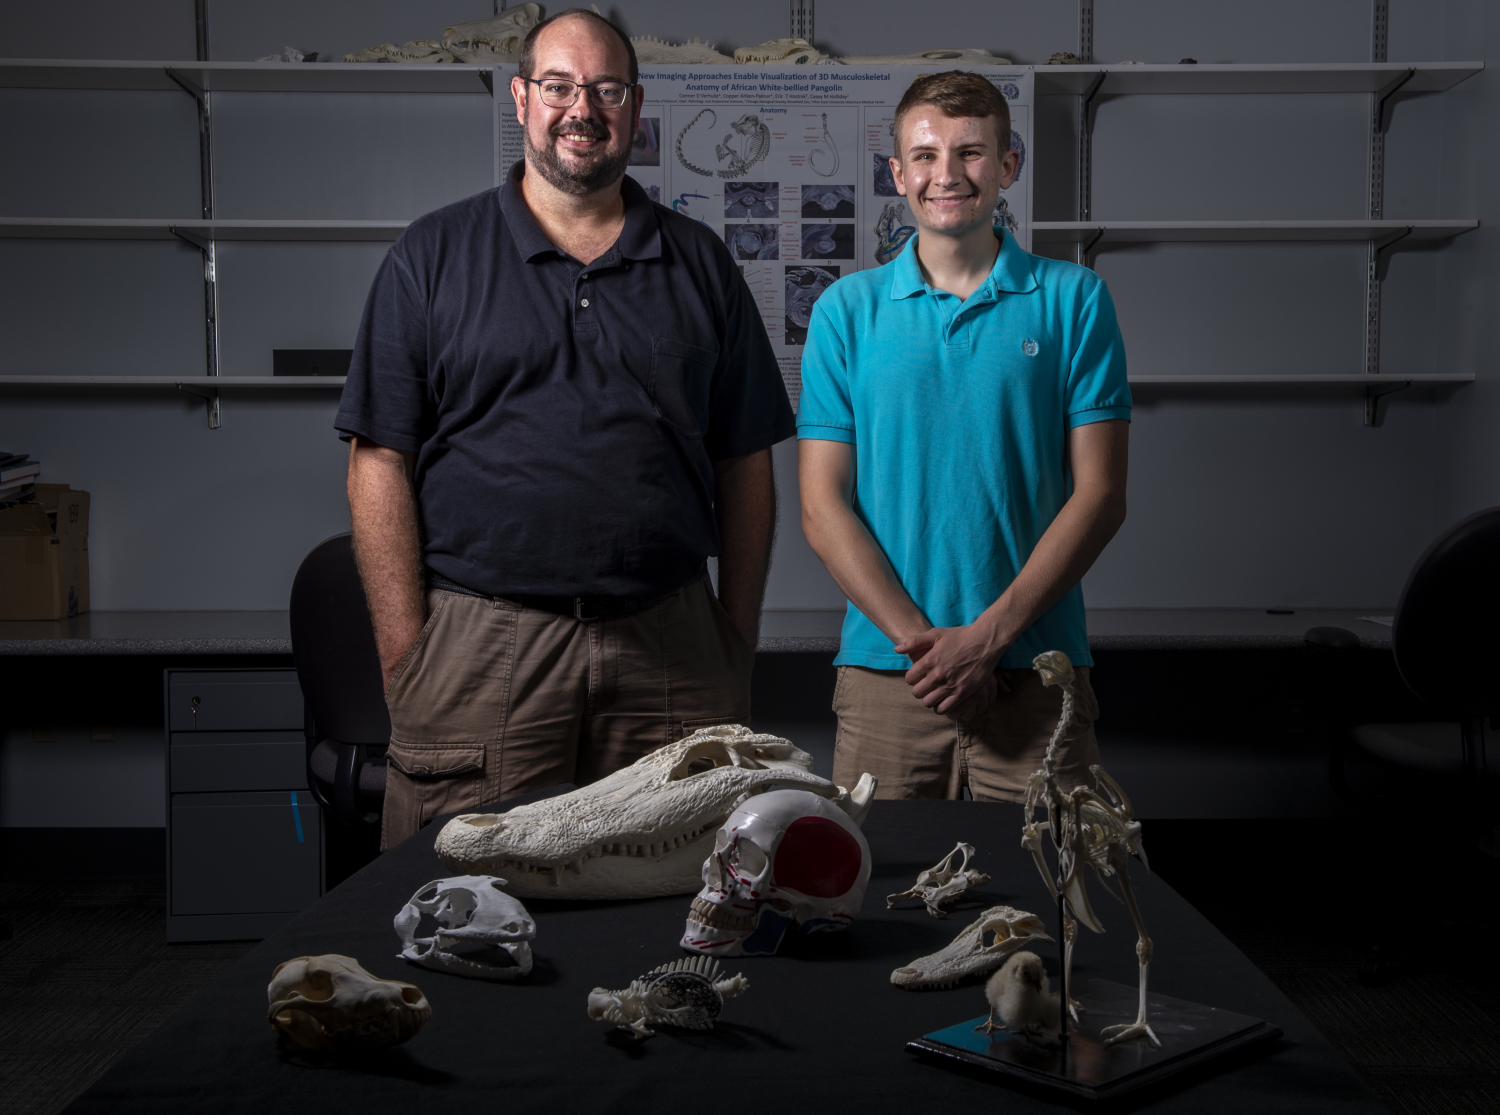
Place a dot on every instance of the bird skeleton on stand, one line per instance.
(1088, 827)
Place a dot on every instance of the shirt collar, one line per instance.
(639, 239)
(1011, 272)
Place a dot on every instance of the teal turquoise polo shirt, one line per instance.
(958, 413)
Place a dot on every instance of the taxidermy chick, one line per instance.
(1018, 992)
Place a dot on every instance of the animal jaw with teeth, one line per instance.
(641, 832)
(977, 951)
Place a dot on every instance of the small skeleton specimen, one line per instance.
(1096, 828)
(330, 1003)
(955, 56)
(417, 50)
(780, 52)
(754, 145)
(686, 993)
(651, 51)
(497, 39)
(977, 951)
(942, 882)
(479, 930)
(829, 152)
(1019, 991)
(1063, 58)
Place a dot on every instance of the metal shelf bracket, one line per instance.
(1376, 400)
(210, 395)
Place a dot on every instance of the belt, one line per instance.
(579, 607)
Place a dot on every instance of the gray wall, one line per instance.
(1234, 502)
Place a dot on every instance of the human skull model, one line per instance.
(329, 1002)
(782, 857)
(481, 931)
(642, 831)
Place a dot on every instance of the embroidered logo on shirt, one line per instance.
(1030, 348)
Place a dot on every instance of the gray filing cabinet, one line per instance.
(244, 836)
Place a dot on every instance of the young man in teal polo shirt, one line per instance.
(964, 425)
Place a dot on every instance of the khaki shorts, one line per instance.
(918, 753)
(495, 700)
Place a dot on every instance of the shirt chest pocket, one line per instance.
(681, 379)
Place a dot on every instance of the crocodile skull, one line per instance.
(640, 832)
(783, 857)
(650, 51)
(977, 951)
(781, 52)
(951, 56)
(330, 1002)
(481, 931)
(497, 39)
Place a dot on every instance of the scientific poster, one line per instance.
(789, 165)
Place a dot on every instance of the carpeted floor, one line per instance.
(1307, 901)
(88, 973)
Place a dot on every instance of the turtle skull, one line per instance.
(480, 930)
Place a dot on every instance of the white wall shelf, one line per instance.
(252, 383)
(90, 228)
(1098, 233)
(1309, 380)
(365, 77)
(246, 77)
(1302, 77)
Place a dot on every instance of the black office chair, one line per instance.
(345, 720)
(1447, 650)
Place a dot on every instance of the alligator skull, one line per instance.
(951, 56)
(497, 39)
(977, 951)
(643, 831)
(417, 50)
(780, 52)
(329, 1002)
(650, 51)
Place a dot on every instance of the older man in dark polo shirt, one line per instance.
(561, 404)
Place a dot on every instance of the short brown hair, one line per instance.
(528, 47)
(956, 93)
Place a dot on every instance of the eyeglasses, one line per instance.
(559, 92)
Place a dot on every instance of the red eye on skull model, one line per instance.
(782, 857)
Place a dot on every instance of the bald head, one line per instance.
(592, 23)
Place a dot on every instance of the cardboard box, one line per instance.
(44, 555)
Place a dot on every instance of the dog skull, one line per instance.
(330, 1002)
(782, 857)
(481, 931)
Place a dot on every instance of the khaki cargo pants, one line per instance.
(495, 700)
(918, 753)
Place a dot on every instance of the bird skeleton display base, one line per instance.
(1088, 828)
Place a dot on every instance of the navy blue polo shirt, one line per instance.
(565, 418)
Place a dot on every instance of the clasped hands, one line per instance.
(954, 669)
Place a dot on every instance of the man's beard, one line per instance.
(602, 169)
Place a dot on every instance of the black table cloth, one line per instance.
(821, 1026)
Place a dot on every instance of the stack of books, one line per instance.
(18, 476)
